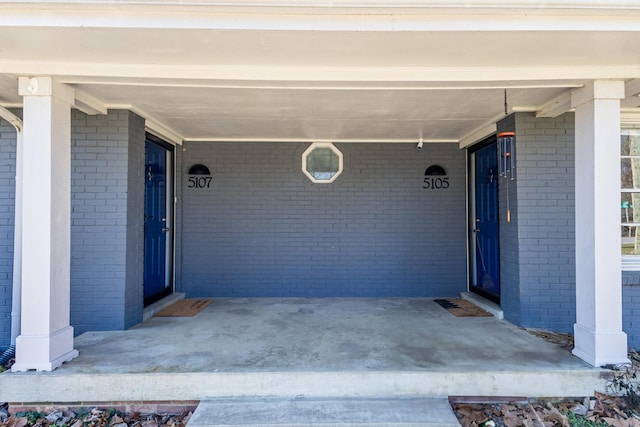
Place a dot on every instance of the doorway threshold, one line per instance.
(165, 302)
(484, 304)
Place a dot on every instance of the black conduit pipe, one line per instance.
(7, 355)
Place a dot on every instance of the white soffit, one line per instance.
(254, 113)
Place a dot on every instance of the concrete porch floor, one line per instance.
(309, 347)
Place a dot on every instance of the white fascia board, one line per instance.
(314, 15)
(327, 74)
(442, 4)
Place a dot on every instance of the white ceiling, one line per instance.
(207, 83)
(319, 114)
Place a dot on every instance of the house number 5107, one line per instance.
(199, 181)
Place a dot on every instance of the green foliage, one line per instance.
(580, 421)
(31, 417)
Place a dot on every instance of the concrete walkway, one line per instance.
(342, 412)
(309, 347)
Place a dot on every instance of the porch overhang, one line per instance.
(353, 71)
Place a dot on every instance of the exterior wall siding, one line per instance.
(540, 287)
(509, 243)
(106, 246)
(7, 205)
(133, 295)
(546, 209)
(178, 176)
(263, 229)
(631, 307)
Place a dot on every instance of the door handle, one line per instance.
(165, 229)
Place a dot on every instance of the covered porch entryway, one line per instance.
(310, 347)
(221, 76)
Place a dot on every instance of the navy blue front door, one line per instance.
(484, 233)
(157, 224)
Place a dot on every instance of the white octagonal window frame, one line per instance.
(315, 176)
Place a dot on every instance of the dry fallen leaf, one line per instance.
(16, 422)
(615, 422)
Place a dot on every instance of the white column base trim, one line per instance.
(600, 348)
(44, 352)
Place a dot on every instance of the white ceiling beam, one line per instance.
(163, 132)
(318, 85)
(156, 127)
(557, 106)
(480, 132)
(88, 104)
(336, 140)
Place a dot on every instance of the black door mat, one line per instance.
(462, 308)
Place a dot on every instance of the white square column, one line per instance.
(46, 337)
(599, 339)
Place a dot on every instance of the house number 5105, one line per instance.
(431, 183)
(199, 181)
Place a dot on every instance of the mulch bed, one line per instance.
(82, 417)
(600, 410)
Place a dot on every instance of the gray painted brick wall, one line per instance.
(509, 244)
(106, 247)
(631, 307)
(542, 295)
(133, 296)
(263, 229)
(179, 175)
(7, 204)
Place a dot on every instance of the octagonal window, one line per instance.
(322, 162)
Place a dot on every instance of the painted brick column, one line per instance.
(599, 339)
(46, 338)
